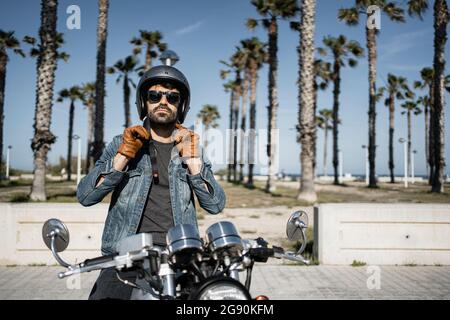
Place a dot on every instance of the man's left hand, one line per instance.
(187, 143)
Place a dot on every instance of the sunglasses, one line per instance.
(155, 96)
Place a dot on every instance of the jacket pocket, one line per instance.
(134, 173)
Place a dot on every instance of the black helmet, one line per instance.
(160, 74)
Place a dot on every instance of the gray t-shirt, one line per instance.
(157, 217)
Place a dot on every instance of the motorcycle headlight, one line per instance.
(224, 291)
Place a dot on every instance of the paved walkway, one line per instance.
(275, 281)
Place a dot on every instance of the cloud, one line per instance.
(190, 28)
(406, 67)
(402, 42)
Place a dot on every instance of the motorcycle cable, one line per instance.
(197, 271)
(248, 279)
(134, 285)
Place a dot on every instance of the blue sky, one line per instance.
(202, 33)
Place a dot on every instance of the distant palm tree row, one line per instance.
(316, 74)
(242, 73)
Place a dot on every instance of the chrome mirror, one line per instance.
(295, 229)
(298, 221)
(56, 237)
(54, 228)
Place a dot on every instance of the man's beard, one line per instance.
(162, 119)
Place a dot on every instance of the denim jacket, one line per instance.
(131, 187)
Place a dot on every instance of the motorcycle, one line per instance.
(189, 267)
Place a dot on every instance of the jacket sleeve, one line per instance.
(212, 200)
(87, 193)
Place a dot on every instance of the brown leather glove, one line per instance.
(133, 140)
(187, 142)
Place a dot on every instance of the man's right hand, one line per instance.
(133, 140)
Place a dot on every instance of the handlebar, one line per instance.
(260, 253)
(103, 262)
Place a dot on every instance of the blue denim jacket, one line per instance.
(131, 187)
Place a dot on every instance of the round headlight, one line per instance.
(224, 289)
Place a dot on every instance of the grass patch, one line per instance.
(15, 183)
(20, 197)
(248, 231)
(357, 263)
(411, 264)
(11, 265)
(37, 264)
(255, 216)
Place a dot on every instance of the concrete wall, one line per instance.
(21, 231)
(382, 234)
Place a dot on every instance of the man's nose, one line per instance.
(164, 100)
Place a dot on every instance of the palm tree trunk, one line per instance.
(315, 88)
(273, 103)
(69, 141)
(325, 147)
(391, 136)
(126, 102)
(427, 151)
(431, 138)
(148, 58)
(408, 157)
(336, 92)
(102, 32)
(252, 133)
(237, 97)
(46, 66)
(372, 50)
(441, 17)
(205, 138)
(3, 62)
(307, 119)
(90, 135)
(230, 150)
(243, 126)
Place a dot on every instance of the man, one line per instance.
(153, 171)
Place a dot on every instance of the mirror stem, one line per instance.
(55, 254)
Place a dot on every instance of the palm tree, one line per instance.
(88, 95)
(322, 77)
(72, 94)
(441, 19)
(229, 87)
(271, 11)
(7, 42)
(236, 66)
(149, 39)
(306, 112)
(410, 107)
(46, 67)
(426, 101)
(255, 55)
(427, 75)
(209, 114)
(351, 17)
(102, 33)
(397, 88)
(342, 51)
(324, 122)
(124, 68)
(242, 59)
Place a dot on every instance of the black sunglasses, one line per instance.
(155, 96)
